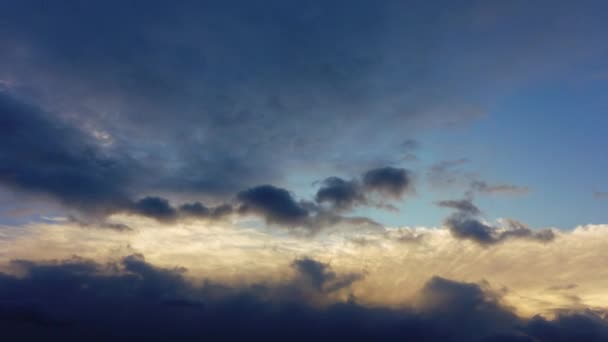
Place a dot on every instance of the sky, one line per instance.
(319, 169)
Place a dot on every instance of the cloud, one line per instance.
(340, 193)
(508, 189)
(442, 174)
(155, 207)
(321, 277)
(131, 297)
(463, 227)
(198, 210)
(388, 181)
(72, 168)
(394, 261)
(447, 174)
(464, 224)
(276, 205)
(463, 206)
(43, 155)
(375, 187)
(205, 118)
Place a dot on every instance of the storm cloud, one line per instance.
(75, 298)
(44, 155)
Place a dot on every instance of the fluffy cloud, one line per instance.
(276, 205)
(375, 187)
(465, 224)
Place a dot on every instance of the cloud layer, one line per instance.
(136, 298)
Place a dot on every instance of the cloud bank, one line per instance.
(133, 298)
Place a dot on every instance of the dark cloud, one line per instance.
(155, 207)
(375, 187)
(160, 209)
(210, 98)
(464, 227)
(78, 298)
(274, 204)
(198, 210)
(340, 193)
(43, 155)
(160, 82)
(277, 206)
(70, 167)
(465, 224)
(321, 277)
(463, 206)
(471, 229)
(388, 181)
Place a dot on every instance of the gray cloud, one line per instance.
(276, 205)
(389, 181)
(320, 276)
(465, 224)
(160, 82)
(340, 193)
(375, 188)
(155, 207)
(448, 173)
(463, 206)
(78, 298)
(507, 189)
(198, 210)
(42, 155)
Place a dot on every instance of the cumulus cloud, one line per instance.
(465, 224)
(375, 188)
(388, 181)
(155, 207)
(276, 205)
(340, 193)
(72, 169)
